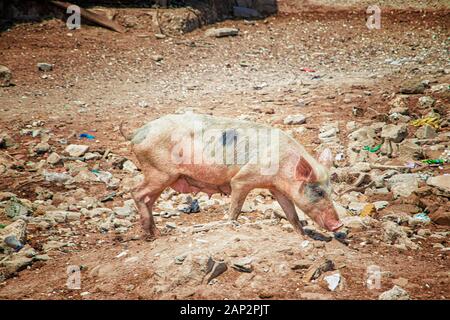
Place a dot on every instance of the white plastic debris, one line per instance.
(333, 281)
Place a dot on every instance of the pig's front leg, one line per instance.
(289, 209)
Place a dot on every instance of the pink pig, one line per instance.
(193, 153)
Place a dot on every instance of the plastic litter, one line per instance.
(87, 136)
(307, 70)
(2, 226)
(13, 242)
(374, 149)
(435, 161)
(315, 235)
(333, 281)
(431, 121)
(193, 207)
(422, 217)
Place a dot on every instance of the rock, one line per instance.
(53, 158)
(242, 12)
(5, 140)
(294, 119)
(396, 133)
(41, 148)
(426, 132)
(5, 76)
(58, 216)
(360, 167)
(16, 229)
(399, 110)
(157, 57)
(243, 265)
(121, 223)
(441, 182)
(408, 150)
(76, 150)
(400, 101)
(402, 185)
(301, 264)
(129, 166)
(394, 234)
(73, 216)
(318, 268)
(15, 264)
(43, 66)
(417, 88)
(221, 32)
(53, 245)
(56, 177)
(96, 212)
(16, 208)
(425, 102)
(396, 293)
(440, 217)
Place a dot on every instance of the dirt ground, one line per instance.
(101, 78)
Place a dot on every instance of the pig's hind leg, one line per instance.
(145, 196)
(289, 209)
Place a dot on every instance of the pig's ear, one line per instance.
(304, 171)
(326, 158)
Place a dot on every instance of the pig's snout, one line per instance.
(333, 226)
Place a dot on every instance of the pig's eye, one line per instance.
(315, 192)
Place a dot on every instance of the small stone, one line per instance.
(157, 58)
(396, 133)
(441, 182)
(53, 158)
(5, 76)
(129, 166)
(426, 132)
(171, 225)
(294, 119)
(76, 150)
(221, 32)
(41, 148)
(318, 268)
(43, 66)
(396, 293)
(426, 102)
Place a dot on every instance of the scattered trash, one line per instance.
(304, 243)
(193, 207)
(341, 237)
(87, 136)
(368, 210)
(122, 254)
(2, 226)
(315, 235)
(339, 157)
(374, 149)
(13, 242)
(435, 161)
(423, 217)
(431, 121)
(333, 281)
(307, 70)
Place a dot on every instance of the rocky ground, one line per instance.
(378, 98)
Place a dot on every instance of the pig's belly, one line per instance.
(186, 184)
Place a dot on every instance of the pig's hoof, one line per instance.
(151, 235)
